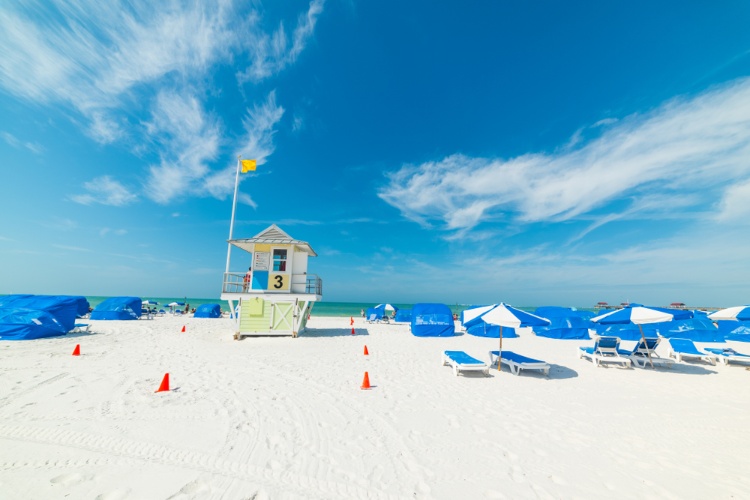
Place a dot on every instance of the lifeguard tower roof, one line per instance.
(272, 235)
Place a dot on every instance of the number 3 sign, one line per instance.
(278, 282)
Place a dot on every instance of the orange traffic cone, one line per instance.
(77, 350)
(366, 381)
(164, 384)
(183, 328)
(352, 330)
(367, 353)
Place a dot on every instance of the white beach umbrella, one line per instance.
(640, 315)
(738, 313)
(387, 307)
(475, 312)
(508, 316)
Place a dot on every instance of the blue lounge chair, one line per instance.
(685, 349)
(460, 361)
(727, 354)
(604, 351)
(516, 362)
(639, 355)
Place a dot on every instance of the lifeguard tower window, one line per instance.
(279, 260)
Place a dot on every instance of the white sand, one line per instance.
(285, 418)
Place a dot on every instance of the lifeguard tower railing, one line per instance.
(301, 283)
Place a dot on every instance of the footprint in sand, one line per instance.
(517, 474)
(67, 479)
(195, 487)
(453, 421)
(113, 495)
(558, 480)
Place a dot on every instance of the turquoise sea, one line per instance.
(319, 309)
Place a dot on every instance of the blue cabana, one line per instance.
(123, 308)
(64, 308)
(374, 313)
(208, 311)
(432, 320)
(628, 331)
(403, 316)
(18, 323)
(564, 328)
(551, 312)
(738, 331)
(699, 329)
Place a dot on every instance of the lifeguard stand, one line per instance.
(278, 295)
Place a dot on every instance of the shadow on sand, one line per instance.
(334, 332)
(558, 372)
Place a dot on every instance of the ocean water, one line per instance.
(322, 308)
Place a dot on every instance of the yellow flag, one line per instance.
(248, 165)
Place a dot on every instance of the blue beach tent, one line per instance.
(699, 329)
(17, 323)
(566, 323)
(628, 331)
(124, 308)
(564, 328)
(64, 308)
(403, 316)
(550, 312)
(375, 313)
(738, 331)
(432, 320)
(208, 311)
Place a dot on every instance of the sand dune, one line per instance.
(286, 418)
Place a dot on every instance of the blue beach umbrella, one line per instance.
(738, 313)
(637, 314)
(504, 315)
(386, 307)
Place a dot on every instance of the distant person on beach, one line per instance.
(187, 308)
(248, 278)
(362, 313)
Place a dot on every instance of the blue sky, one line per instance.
(462, 152)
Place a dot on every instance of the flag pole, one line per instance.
(234, 208)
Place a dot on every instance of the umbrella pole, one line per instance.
(648, 351)
(500, 352)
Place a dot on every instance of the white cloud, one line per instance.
(257, 143)
(17, 143)
(189, 138)
(735, 206)
(688, 147)
(272, 53)
(105, 191)
(109, 60)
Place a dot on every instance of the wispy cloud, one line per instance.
(689, 147)
(260, 126)
(105, 191)
(111, 61)
(17, 143)
(272, 53)
(189, 139)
